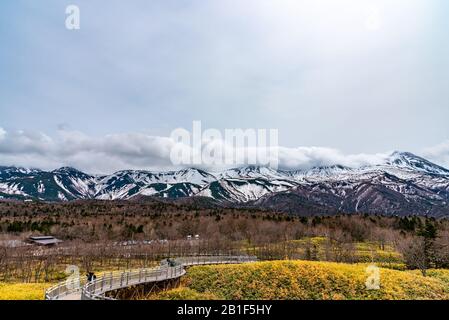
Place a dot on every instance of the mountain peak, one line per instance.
(254, 168)
(194, 170)
(411, 161)
(404, 154)
(12, 170)
(332, 167)
(67, 170)
(194, 175)
(252, 172)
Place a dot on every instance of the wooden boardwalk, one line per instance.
(73, 289)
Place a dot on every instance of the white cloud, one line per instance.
(72, 148)
(307, 157)
(120, 151)
(438, 153)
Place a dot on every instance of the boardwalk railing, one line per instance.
(63, 289)
(97, 289)
(168, 270)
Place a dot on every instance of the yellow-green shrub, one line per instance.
(23, 291)
(440, 274)
(183, 293)
(307, 280)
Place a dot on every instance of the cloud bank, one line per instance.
(114, 152)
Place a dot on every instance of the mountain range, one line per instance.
(404, 184)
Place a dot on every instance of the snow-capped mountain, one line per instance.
(403, 184)
(59, 185)
(69, 184)
(174, 184)
(411, 162)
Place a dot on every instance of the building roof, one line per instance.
(44, 240)
(41, 237)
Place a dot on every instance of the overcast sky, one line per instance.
(341, 80)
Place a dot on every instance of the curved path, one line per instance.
(73, 289)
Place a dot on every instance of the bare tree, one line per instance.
(413, 250)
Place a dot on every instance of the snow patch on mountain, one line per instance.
(402, 176)
(11, 189)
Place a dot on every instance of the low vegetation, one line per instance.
(305, 280)
(23, 291)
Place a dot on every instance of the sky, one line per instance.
(342, 81)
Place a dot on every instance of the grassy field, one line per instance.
(23, 291)
(287, 279)
(283, 280)
(305, 280)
